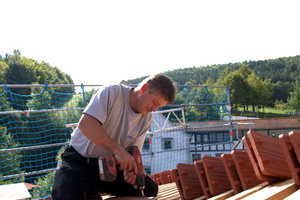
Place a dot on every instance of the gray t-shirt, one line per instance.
(110, 106)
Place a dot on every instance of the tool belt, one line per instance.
(71, 153)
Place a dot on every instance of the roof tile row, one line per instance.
(265, 160)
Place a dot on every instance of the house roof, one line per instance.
(271, 123)
(273, 162)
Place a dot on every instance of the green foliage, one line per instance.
(278, 74)
(260, 94)
(45, 182)
(3, 70)
(10, 161)
(44, 128)
(198, 102)
(15, 69)
(246, 88)
(251, 83)
(42, 121)
(239, 89)
(294, 99)
(281, 90)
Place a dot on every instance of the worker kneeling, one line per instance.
(116, 118)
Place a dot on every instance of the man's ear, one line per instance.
(144, 88)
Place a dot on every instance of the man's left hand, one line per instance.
(130, 178)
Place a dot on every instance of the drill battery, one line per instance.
(107, 168)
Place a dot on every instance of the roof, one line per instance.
(274, 171)
(271, 123)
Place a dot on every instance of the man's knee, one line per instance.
(151, 189)
(64, 187)
(62, 193)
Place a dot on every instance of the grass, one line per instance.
(264, 113)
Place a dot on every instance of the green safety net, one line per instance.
(36, 127)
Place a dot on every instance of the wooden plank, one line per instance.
(165, 187)
(14, 191)
(200, 198)
(223, 196)
(249, 192)
(275, 191)
(168, 191)
(293, 196)
(171, 196)
(174, 190)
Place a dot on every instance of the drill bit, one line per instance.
(142, 192)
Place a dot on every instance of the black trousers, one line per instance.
(77, 174)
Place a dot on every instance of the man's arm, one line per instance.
(93, 130)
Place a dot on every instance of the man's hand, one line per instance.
(126, 161)
(130, 178)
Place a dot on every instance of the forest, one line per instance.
(252, 83)
(17, 69)
(262, 83)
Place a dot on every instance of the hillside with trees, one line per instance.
(261, 83)
(252, 83)
(17, 69)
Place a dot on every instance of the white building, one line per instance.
(165, 146)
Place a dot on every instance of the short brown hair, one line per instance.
(164, 85)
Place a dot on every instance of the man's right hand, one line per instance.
(127, 161)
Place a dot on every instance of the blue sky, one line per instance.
(98, 41)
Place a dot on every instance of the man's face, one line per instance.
(151, 101)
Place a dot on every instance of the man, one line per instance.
(116, 117)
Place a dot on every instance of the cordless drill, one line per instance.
(108, 168)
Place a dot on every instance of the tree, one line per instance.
(294, 99)
(281, 91)
(3, 70)
(239, 89)
(223, 74)
(20, 71)
(245, 71)
(260, 94)
(209, 81)
(9, 161)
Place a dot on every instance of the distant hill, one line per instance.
(284, 69)
(279, 73)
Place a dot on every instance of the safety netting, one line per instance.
(36, 127)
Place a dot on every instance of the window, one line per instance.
(205, 138)
(167, 143)
(196, 157)
(146, 146)
(147, 169)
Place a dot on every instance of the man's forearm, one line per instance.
(93, 130)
